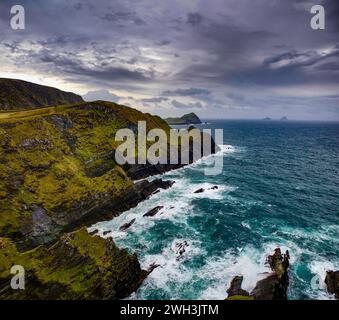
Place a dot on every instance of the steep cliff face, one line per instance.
(58, 169)
(58, 173)
(77, 266)
(18, 95)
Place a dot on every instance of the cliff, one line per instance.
(190, 118)
(77, 266)
(18, 95)
(58, 174)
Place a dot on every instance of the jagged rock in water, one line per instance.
(126, 225)
(153, 211)
(180, 248)
(332, 283)
(152, 267)
(94, 232)
(235, 287)
(275, 285)
(199, 190)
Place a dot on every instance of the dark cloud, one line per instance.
(191, 105)
(194, 19)
(262, 53)
(300, 59)
(186, 92)
(155, 100)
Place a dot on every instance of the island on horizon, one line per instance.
(189, 118)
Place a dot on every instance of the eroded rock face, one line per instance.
(235, 287)
(41, 228)
(153, 211)
(275, 285)
(126, 225)
(141, 171)
(77, 266)
(332, 283)
(57, 174)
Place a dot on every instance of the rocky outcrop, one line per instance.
(141, 171)
(42, 228)
(18, 95)
(273, 287)
(153, 211)
(235, 287)
(126, 225)
(332, 283)
(189, 118)
(77, 266)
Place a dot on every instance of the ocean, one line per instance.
(279, 188)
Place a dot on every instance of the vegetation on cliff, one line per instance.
(57, 174)
(18, 94)
(77, 266)
(57, 165)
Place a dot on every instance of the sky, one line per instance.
(217, 58)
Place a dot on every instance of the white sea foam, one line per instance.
(175, 274)
(172, 268)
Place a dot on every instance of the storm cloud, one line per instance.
(226, 58)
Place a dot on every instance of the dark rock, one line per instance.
(34, 143)
(214, 188)
(332, 283)
(180, 248)
(61, 122)
(106, 232)
(125, 226)
(101, 207)
(92, 233)
(275, 285)
(235, 287)
(199, 190)
(141, 171)
(152, 267)
(153, 211)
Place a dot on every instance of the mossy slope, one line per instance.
(57, 168)
(58, 165)
(77, 266)
(18, 94)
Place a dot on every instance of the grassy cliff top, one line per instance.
(55, 161)
(19, 95)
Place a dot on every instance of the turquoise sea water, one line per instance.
(279, 187)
